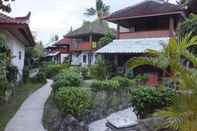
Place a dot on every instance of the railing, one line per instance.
(144, 34)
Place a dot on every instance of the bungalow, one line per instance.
(147, 25)
(18, 36)
(84, 42)
(58, 53)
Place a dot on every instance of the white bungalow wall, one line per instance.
(17, 48)
(78, 60)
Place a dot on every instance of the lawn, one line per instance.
(7, 110)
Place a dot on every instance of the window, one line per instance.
(20, 55)
(84, 58)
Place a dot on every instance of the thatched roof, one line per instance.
(96, 27)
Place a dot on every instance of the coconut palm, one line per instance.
(182, 115)
(100, 10)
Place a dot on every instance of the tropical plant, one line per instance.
(53, 69)
(182, 115)
(105, 40)
(107, 85)
(4, 60)
(187, 26)
(68, 77)
(39, 78)
(123, 81)
(74, 101)
(102, 70)
(146, 100)
(33, 53)
(171, 58)
(100, 10)
(5, 5)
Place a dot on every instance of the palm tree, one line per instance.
(171, 57)
(101, 10)
(182, 116)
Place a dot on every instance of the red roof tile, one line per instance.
(24, 21)
(64, 41)
(4, 19)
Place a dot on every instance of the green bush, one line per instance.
(84, 72)
(123, 81)
(12, 72)
(67, 78)
(74, 101)
(39, 78)
(146, 100)
(53, 69)
(102, 70)
(107, 85)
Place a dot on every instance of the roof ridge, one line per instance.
(144, 1)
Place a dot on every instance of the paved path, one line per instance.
(29, 116)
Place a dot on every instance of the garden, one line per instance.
(83, 95)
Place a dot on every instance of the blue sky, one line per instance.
(50, 17)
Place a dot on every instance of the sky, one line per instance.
(50, 17)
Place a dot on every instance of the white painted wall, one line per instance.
(78, 59)
(15, 47)
(63, 56)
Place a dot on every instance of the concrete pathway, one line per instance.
(29, 116)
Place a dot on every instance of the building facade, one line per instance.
(84, 42)
(59, 52)
(18, 37)
(147, 25)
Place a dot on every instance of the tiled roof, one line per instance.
(133, 45)
(4, 19)
(148, 7)
(24, 30)
(62, 42)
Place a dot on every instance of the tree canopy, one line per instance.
(5, 5)
(189, 25)
(100, 10)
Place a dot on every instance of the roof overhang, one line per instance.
(129, 46)
(21, 32)
(53, 54)
(116, 19)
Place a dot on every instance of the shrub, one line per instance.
(39, 78)
(102, 70)
(53, 69)
(84, 72)
(74, 101)
(146, 100)
(66, 78)
(123, 81)
(107, 85)
(12, 72)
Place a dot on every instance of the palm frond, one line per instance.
(90, 12)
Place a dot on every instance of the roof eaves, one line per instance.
(142, 16)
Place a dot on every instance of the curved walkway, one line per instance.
(29, 116)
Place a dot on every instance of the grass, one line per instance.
(8, 109)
